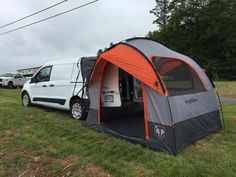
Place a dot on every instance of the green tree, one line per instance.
(99, 51)
(162, 12)
(204, 30)
(103, 50)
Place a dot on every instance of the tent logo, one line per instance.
(159, 132)
(191, 101)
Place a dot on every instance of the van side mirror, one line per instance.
(33, 80)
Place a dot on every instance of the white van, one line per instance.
(60, 84)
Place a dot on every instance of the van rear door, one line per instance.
(110, 95)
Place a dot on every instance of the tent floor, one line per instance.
(131, 126)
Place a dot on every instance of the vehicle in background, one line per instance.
(61, 84)
(12, 80)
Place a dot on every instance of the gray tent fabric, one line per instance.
(192, 105)
(152, 48)
(93, 110)
(158, 111)
(168, 122)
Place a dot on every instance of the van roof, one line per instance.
(63, 61)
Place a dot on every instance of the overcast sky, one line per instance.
(78, 33)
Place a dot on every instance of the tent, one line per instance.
(144, 92)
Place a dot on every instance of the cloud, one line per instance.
(79, 33)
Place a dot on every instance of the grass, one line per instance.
(46, 142)
(227, 89)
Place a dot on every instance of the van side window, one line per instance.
(62, 72)
(44, 74)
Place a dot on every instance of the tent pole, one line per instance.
(172, 124)
(221, 109)
(145, 113)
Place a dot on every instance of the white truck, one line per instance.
(12, 80)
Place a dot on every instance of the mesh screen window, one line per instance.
(179, 78)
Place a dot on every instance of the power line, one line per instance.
(53, 16)
(23, 18)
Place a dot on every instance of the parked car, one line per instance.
(60, 84)
(12, 80)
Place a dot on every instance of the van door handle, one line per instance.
(44, 86)
(51, 85)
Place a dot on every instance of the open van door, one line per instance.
(87, 64)
(110, 95)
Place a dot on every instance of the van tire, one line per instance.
(77, 109)
(25, 99)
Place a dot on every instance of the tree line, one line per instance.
(205, 30)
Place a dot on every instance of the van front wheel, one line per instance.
(77, 109)
(25, 99)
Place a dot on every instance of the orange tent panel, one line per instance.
(133, 62)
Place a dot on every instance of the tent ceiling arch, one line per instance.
(133, 62)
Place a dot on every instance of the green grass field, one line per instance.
(226, 89)
(46, 142)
